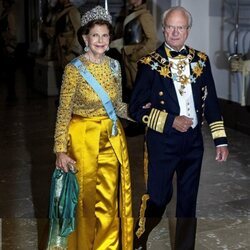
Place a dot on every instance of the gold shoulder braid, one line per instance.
(162, 65)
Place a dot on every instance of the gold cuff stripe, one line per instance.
(157, 120)
(217, 129)
(218, 134)
(161, 122)
(152, 120)
(216, 124)
(142, 219)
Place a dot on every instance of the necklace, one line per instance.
(162, 65)
(178, 74)
(94, 60)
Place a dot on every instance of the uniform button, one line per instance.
(160, 93)
(197, 111)
(162, 102)
(164, 110)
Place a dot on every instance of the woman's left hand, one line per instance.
(62, 161)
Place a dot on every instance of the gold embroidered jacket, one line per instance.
(77, 97)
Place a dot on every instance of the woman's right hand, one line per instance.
(62, 160)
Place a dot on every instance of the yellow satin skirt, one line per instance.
(99, 159)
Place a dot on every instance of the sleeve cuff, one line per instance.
(217, 129)
(156, 120)
(222, 145)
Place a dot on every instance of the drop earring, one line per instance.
(86, 48)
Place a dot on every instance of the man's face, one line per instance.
(176, 29)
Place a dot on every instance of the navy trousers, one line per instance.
(179, 153)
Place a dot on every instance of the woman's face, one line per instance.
(98, 39)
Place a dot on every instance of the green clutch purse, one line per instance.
(62, 208)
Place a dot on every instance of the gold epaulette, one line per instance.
(217, 129)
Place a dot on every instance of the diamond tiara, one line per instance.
(96, 13)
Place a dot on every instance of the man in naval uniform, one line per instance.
(174, 91)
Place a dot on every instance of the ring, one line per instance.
(72, 167)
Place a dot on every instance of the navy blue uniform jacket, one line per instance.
(154, 85)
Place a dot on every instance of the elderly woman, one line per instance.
(89, 134)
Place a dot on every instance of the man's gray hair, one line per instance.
(187, 13)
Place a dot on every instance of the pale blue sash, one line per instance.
(99, 91)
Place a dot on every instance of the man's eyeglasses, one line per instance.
(180, 29)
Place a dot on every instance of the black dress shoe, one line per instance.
(140, 243)
(140, 247)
